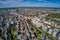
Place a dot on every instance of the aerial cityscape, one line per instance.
(29, 19)
(29, 23)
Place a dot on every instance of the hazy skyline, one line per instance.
(29, 3)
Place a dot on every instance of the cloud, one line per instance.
(28, 3)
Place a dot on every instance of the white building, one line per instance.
(50, 31)
(45, 28)
(37, 22)
(55, 31)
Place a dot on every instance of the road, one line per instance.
(26, 32)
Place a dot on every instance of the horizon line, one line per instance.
(29, 7)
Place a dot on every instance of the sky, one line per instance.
(29, 3)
